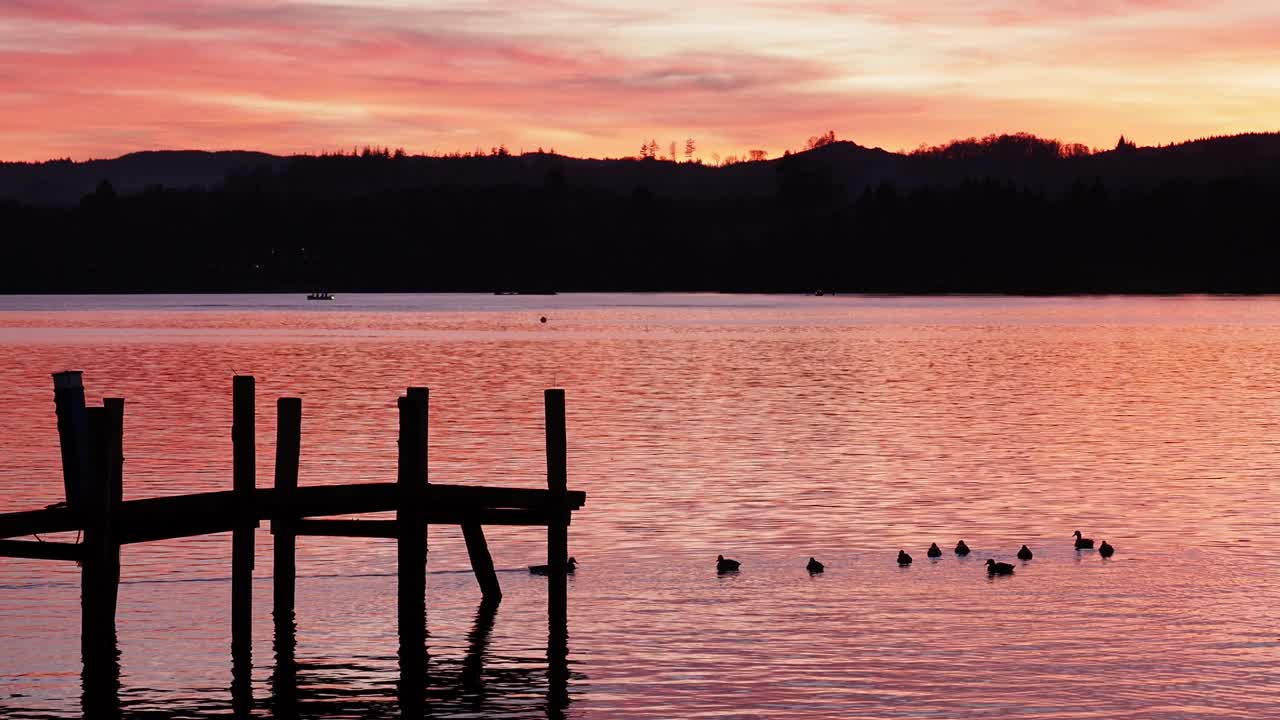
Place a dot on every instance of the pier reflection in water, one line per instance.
(517, 687)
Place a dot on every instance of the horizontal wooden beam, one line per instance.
(36, 550)
(202, 513)
(32, 522)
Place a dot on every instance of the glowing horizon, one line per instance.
(91, 80)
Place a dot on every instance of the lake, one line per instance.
(765, 428)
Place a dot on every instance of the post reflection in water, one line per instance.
(100, 679)
(284, 679)
(241, 678)
(557, 665)
(477, 645)
(442, 687)
(516, 687)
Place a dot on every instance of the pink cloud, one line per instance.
(98, 79)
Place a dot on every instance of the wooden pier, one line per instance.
(92, 444)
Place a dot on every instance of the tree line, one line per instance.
(341, 223)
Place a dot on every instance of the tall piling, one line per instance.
(411, 541)
(284, 537)
(244, 479)
(73, 433)
(557, 537)
(100, 574)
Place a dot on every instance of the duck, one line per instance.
(546, 569)
(961, 548)
(1083, 543)
(934, 551)
(903, 558)
(998, 568)
(1105, 549)
(724, 564)
(1025, 553)
(814, 566)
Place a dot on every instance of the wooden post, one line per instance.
(73, 434)
(557, 531)
(243, 480)
(284, 537)
(481, 561)
(284, 679)
(100, 574)
(114, 477)
(105, 489)
(411, 542)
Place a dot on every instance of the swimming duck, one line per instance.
(934, 550)
(997, 568)
(724, 564)
(1105, 550)
(903, 558)
(961, 548)
(1083, 543)
(1024, 553)
(814, 566)
(546, 569)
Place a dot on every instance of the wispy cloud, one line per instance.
(97, 79)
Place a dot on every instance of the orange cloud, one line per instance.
(91, 79)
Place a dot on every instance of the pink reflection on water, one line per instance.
(768, 431)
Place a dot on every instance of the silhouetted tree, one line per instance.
(818, 141)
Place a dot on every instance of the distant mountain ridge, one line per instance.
(1020, 159)
(61, 182)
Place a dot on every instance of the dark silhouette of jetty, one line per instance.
(92, 449)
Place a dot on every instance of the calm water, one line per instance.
(765, 428)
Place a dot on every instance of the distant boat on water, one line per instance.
(319, 296)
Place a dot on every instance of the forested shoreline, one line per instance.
(981, 218)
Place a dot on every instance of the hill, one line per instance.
(1002, 214)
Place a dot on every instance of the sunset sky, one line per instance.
(99, 79)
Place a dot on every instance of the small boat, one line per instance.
(569, 567)
(998, 568)
(814, 566)
(724, 564)
(961, 548)
(1024, 553)
(903, 558)
(319, 296)
(934, 551)
(1106, 550)
(1083, 543)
